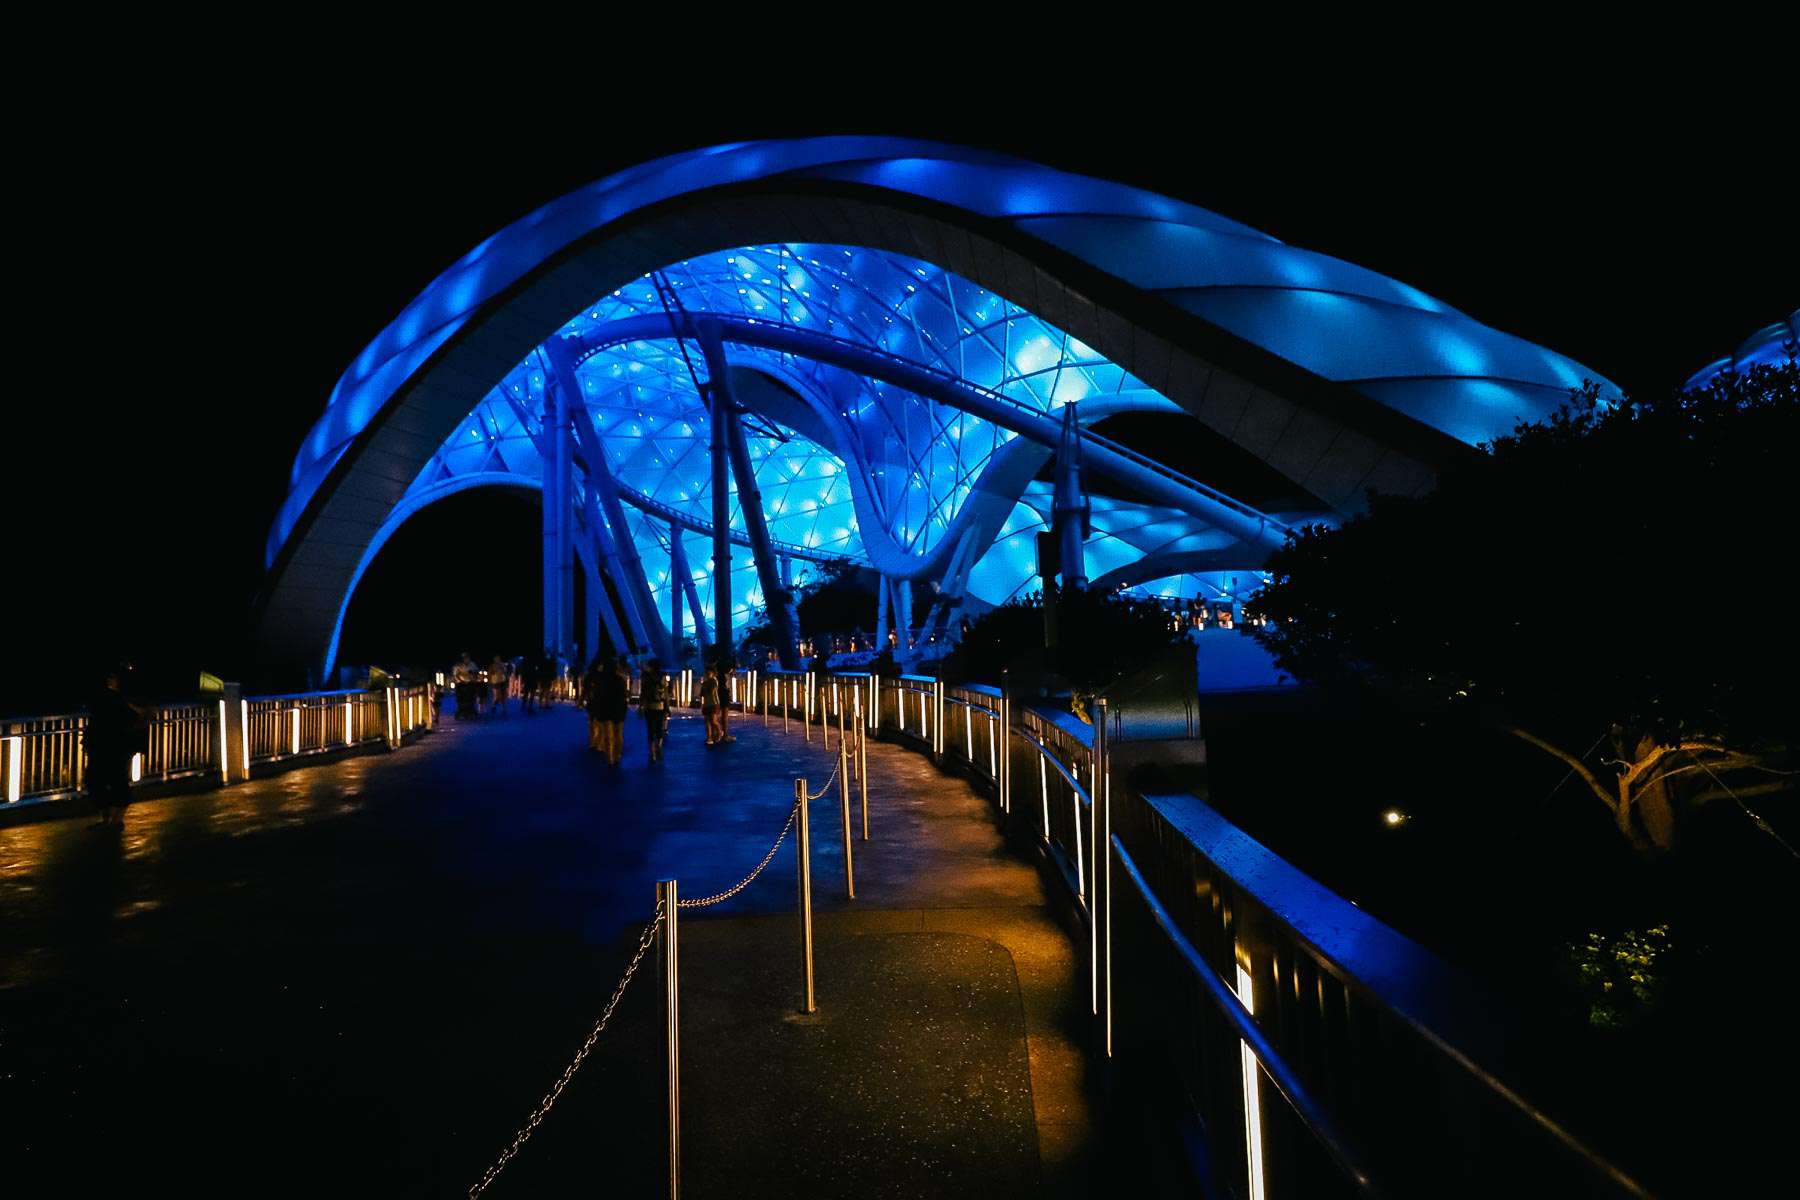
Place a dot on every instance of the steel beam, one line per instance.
(1154, 482)
(633, 584)
(768, 572)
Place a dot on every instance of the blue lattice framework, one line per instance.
(905, 323)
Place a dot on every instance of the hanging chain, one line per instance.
(826, 788)
(747, 880)
(644, 943)
(555, 1093)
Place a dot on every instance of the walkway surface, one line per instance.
(359, 977)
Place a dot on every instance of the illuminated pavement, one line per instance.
(358, 977)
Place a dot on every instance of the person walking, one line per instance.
(590, 699)
(712, 706)
(653, 704)
(115, 730)
(614, 690)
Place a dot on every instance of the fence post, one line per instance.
(803, 851)
(844, 799)
(1005, 779)
(667, 898)
(1103, 882)
(235, 742)
(862, 762)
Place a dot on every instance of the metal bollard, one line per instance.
(667, 898)
(862, 760)
(803, 851)
(844, 798)
(806, 709)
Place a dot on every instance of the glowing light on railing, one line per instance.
(1080, 870)
(993, 766)
(1393, 818)
(1106, 899)
(348, 739)
(224, 753)
(15, 767)
(244, 733)
(137, 767)
(1044, 787)
(294, 729)
(1252, 1091)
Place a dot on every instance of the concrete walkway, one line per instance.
(361, 976)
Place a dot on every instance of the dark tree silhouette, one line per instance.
(1617, 575)
(1100, 637)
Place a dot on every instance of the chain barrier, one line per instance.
(644, 943)
(555, 1093)
(746, 881)
(821, 792)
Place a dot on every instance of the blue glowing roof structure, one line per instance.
(1771, 344)
(1020, 288)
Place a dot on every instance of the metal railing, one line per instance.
(45, 758)
(292, 726)
(1317, 1051)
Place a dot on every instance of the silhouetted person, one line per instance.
(712, 705)
(590, 700)
(653, 703)
(115, 731)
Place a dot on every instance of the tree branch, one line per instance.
(1575, 764)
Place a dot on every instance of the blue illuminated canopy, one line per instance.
(1021, 288)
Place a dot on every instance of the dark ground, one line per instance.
(358, 978)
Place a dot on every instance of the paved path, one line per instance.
(357, 978)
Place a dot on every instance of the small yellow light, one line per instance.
(1393, 817)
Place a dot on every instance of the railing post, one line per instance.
(1006, 747)
(667, 899)
(806, 707)
(234, 734)
(844, 799)
(12, 768)
(803, 853)
(1103, 882)
(862, 762)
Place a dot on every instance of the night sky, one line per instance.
(232, 254)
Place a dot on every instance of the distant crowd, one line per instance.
(604, 690)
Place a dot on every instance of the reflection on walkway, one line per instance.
(386, 958)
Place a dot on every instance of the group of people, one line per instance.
(482, 690)
(606, 694)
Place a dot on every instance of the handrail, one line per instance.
(968, 704)
(1043, 749)
(1311, 1113)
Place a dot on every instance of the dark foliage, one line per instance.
(837, 597)
(1629, 564)
(1100, 637)
(1621, 571)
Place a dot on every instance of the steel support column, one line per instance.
(762, 551)
(633, 584)
(677, 572)
(603, 556)
(692, 593)
(881, 613)
(903, 599)
(558, 513)
(717, 447)
(1070, 510)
